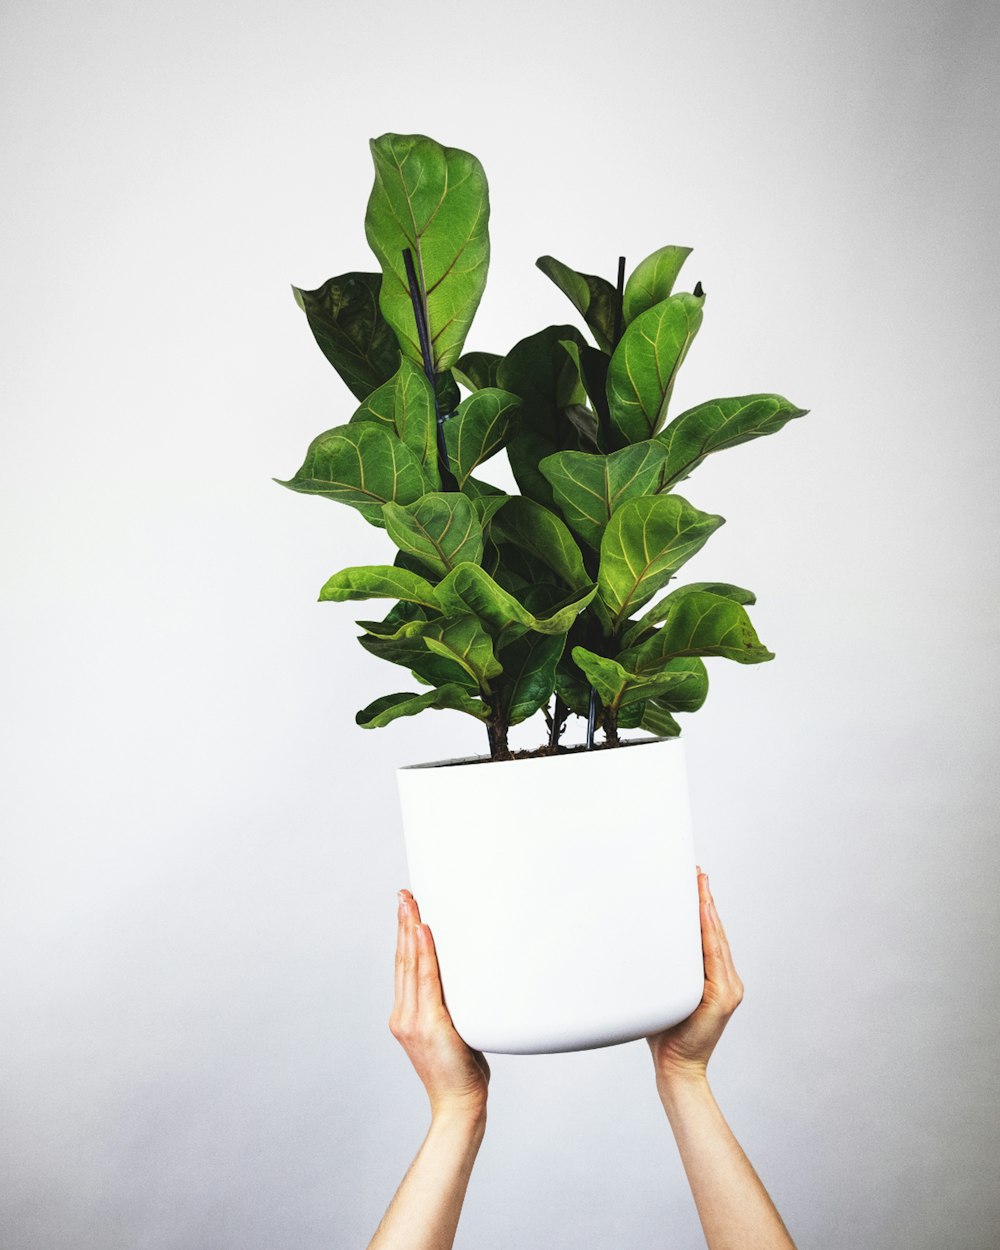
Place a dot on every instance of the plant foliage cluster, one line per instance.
(505, 605)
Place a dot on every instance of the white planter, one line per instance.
(561, 892)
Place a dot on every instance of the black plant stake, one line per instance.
(619, 306)
(423, 337)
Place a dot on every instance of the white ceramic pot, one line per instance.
(561, 892)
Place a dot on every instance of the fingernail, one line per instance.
(401, 899)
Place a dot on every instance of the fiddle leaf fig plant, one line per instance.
(558, 599)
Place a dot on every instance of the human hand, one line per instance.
(683, 1051)
(456, 1077)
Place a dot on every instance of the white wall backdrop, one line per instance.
(201, 850)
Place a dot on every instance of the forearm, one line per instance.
(735, 1210)
(423, 1214)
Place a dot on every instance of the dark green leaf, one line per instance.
(392, 706)
(433, 200)
(395, 620)
(479, 428)
(588, 488)
(539, 370)
(486, 505)
(439, 530)
(446, 392)
(618, 686)
(463, 640)
(644, 544)
(652, 280)
(717, 424)
(476, 370)
(645, 363)
(657, 720)
(408, 649)
(348, 325)
(529, 674)
(594, 298)
(363, 465)
(536, 530)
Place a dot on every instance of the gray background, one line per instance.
(202, 851)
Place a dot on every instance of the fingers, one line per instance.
(417, 977)
(719, 966)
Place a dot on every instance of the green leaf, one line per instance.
(536, 530)
(659, 611)
(477, 370)
(539, 370)
(644, 544)
(409, 649)
(433, 200)
(363, 465)
(446, 392)
(469, 588)
(645, 364)
(529, 675)
(405, 405)
(700, 623)
(391, 706)
(463, 640)
(591, 366)
(378, 581)
(395, 620)
(657, 720)
(479, 428)
(486, 505)
(685, 678)
(439, 530)
(352, 334)
(718, 424)
(652, 280)
(594, 298)
(618, 686)
(588, 488)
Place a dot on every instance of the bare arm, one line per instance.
(424, 1212)
(735, 1209)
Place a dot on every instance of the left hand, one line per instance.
(456, 1077)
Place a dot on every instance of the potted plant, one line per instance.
(556, 600)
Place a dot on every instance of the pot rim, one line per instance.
(570, 753)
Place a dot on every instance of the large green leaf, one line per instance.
(378, 581)
(463, 640)
(540, 371)
(476, 370)
(618, 686)
(645, 543)
(594, 298)
(408, 649)
(657, 720)
(645, 363)
(395, 620)
(405, 405)
(468, 588)
(717, 424)
(433, 200)
(364, 465)
(534, 529)
(591, 365)
(685, 678)
(391, 706)
(650, 619)
(700, 623)
(439, 530)
(587, 488)
(529, 675)
(478, 429)
(352, 334)
(652, 280)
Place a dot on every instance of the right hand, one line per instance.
(683, 1051)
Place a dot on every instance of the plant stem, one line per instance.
(611, 728)
(423, 337)
(558, 718)
(496, 727)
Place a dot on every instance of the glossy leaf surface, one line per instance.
(363, 465)
(587, 488)
(653, 280)
(534, 529)
(440, 530)
(650, 619)
(718, 424)
(700, 623)
(391, 706)
(478, 429)
(378, 581)
(348, 325)
(529, 674)
(645, 363)
(433, 200)
(469, 588)
(645, 543)
(476, 370)
(405, 406)
(594, 298)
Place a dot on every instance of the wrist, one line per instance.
(460, 1115)
(679, 1079)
